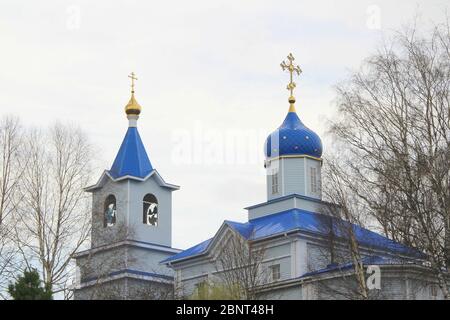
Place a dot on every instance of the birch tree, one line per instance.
(53, 218)
(393, 129)
(239, 268)
(10, 173)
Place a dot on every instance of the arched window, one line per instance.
(150, 214)
(109, 213)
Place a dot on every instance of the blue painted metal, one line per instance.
(190, 252)
(245, 229)
(370, 260)
(292, 195)
(131, 271)
(132, 159)
(304, 221)
(293, 138)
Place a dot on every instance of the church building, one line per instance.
(131, 226)
(297, 247)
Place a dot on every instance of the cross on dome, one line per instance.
(132, 76)
(291, 68)
(133, 108)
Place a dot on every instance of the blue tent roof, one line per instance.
(297, 219)
(132, 158)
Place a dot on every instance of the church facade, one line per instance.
(293, 245)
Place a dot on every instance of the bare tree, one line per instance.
(53, 216)
(342, 215)
(99, 264)
(393, 123)
(97, 270)
(10, 144)
(10, 172)
(239, 267)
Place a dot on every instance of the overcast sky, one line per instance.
(208, 71)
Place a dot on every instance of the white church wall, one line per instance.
(189, 286)
(105, 235)
(312, 179)
(274, 167)
(161, 233)
(125, 288)
(188, 276)
(407, 282)
(129, 196)
(146, 260)
(299, 257)
(275, 249)
(288, 203)
(270, 208)
(289, 293)
(277, 253)
(102, 263)
(199, 268)
(285, 268)
(318, 257)
(113, 290)
(394, 287)
(421, 290)
(294, 176)
(148, 290)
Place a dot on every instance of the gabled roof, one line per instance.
(132, 159)
(305, 221)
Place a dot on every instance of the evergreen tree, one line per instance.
(28, 287)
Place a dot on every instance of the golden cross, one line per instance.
(291, 68)
(132, 76)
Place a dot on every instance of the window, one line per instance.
(150, 210)
(274, 181)
(109, 213)
(275, 271)
(313, 180)
(433, 290)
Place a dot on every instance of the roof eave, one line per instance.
(158, 177)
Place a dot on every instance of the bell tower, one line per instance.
(131, 222)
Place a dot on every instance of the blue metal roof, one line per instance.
(292, 195)
(130, 271)
(190, 252)
(306, 221)
(132, 159)
(369, 260)
(293, 138)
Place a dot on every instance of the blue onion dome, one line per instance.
(293, 138)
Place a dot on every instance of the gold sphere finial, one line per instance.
(291, 99)
(291, 68)
(133, 107)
